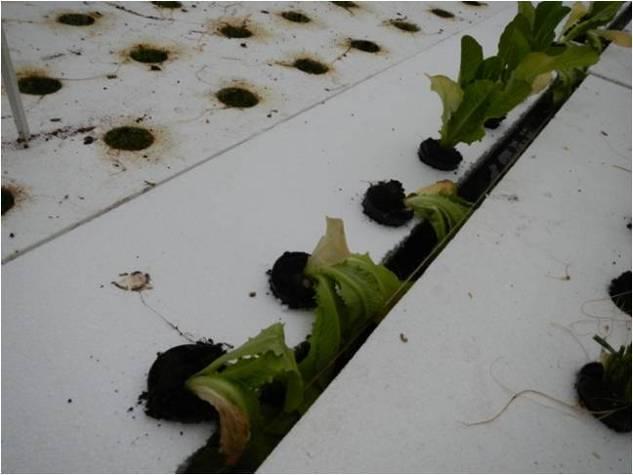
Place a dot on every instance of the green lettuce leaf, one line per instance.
(546, 18)
(441, 206)
(471, 58)
(466, 124)
(350, 293)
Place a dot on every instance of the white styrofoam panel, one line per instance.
(178, 103)
(206, 237)
(493, 315)
(615, 64)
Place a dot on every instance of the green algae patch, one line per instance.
(232, 31)
(37, 85)
(295, 17)
(172, 5)
(129, 138)
(405, 26)
(237, 97)
(442, 13)
(365, 45)
(310, 66)
(75, 19)
(146, 54)
(8, 200)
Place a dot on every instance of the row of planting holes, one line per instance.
(137, 138)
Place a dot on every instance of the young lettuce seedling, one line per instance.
(605, 387)
(441, 206)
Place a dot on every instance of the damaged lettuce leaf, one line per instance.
(232, 384)
(441, 206)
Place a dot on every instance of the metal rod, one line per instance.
(11, 84)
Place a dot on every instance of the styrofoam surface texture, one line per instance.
(615, 64)
(177, 103)
(495, 315)
(206, 238)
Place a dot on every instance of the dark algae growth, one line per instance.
(384, 203)
(620, 292)
(172, 5)
(310, 66)
(167, 397)
(442, 13)
(146, 54)
(129, 138)
(289, 283)
(75, 19)
(365, 45)
(38, 85)
(346, 5)
(605, 387)
(405, 26)
(237, 97)
(8, 200)
(434, 155)
(295, 17)
(232, 31)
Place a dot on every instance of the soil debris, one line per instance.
(136, 281)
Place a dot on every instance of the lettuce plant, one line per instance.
(490, 88)
(441, 206)
(232, 384)
(351, 292)
(617, 369)
(585, 25)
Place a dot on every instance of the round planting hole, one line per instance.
(365, 45)
(237, 97)
(129, 138)
(8, 200)
(38, 85)
(75, 19)
(346, 4)
(405, 26)
(295, 17)
(167, 4)
(232, 31)
(442, 13)
(310, 66)
(143, 54)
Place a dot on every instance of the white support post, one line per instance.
(11, 84)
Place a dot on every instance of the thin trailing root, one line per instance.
(574, 407)
(514, 397)
(186, 336)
